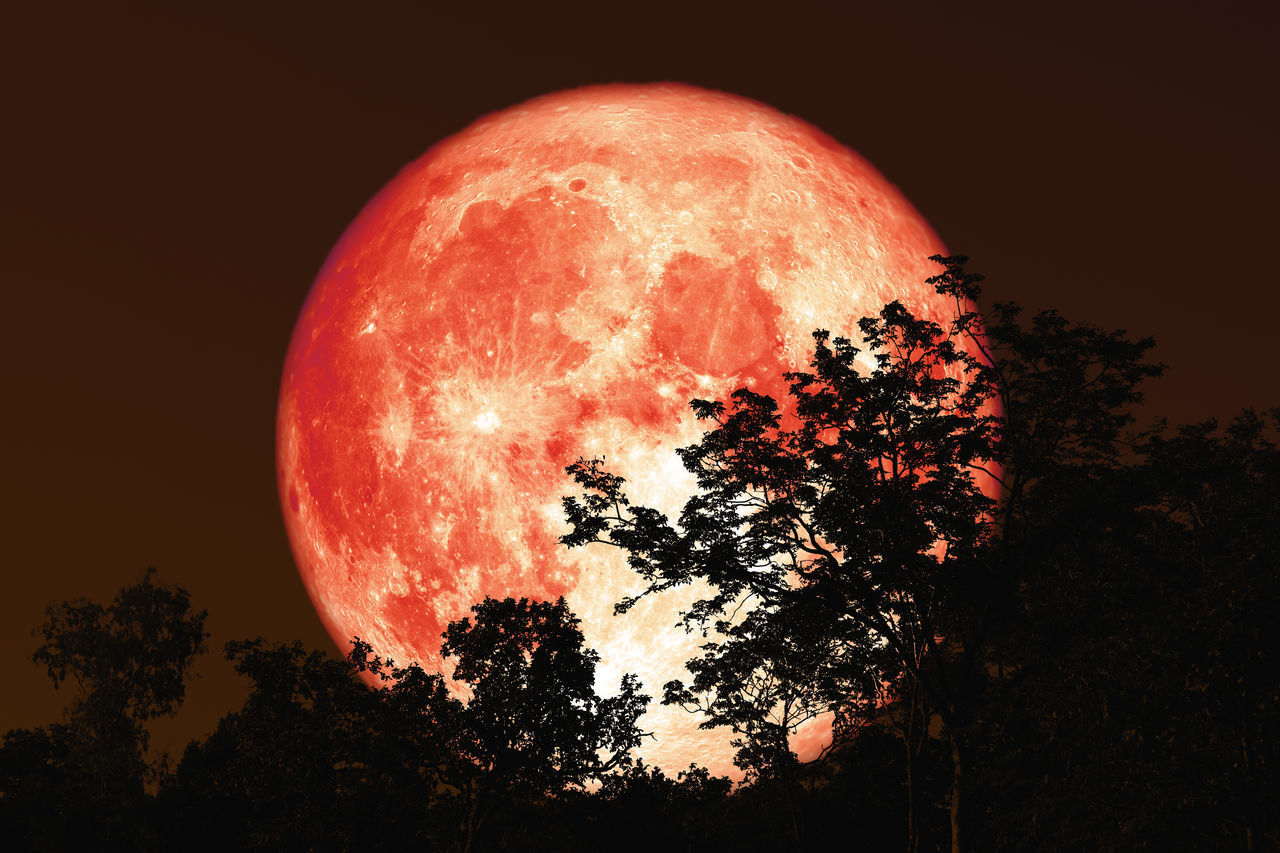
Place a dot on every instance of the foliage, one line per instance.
(1137, 704)
(128, 660)
(661, 812)
(533, 723)
(313, 751)
(1087, 660)
(854, 524)
(84, 781)
(297, 767)
(843, 539)
(533, 718)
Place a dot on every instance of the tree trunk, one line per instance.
(796, 808)
(911, 804)
(957, 778)
(796, 833)
(475, 817)
(909, 740)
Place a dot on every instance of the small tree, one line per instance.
(129, 662)
(533, 724)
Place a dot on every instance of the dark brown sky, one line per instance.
(174, 178)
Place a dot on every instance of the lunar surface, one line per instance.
(558, 280)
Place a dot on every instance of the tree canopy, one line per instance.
(1036, 620)
(83, 781)
(853, 553)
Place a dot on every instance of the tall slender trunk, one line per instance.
(957, 779)
(1251, 813)
(909, 740)
(476, 813)
(794, 801)
(911, 804)
(796, 832)
(470, 836)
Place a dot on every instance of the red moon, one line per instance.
(559, 280)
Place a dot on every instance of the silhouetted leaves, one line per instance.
(853, 535)
(1087, 660)
(83, 782)
(313, 752)
(1138, 706)
(533, 717)
(298, 766)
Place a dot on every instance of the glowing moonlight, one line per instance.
(559, 280)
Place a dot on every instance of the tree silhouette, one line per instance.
(299, 766)
(314, 753)
(861, 526)
(1135, 710)
(1068, 392)
(686, 812)
(863, 511)
(533, 722)
(1085, 664)
(83, 781)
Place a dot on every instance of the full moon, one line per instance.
(558, 280)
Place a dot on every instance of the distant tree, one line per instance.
(314, 753)
(660, 812)
(86, 779)
(1218, 508)
(300, 766)
(1138, 707)
(129, 661)
(42, 786)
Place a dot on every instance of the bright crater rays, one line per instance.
(557, 281)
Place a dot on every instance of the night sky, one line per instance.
(174, 177)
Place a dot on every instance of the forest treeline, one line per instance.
(1039, 622)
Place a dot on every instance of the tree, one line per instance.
(314, 753)
(533, 716)
(1217, 503)
(1068, 392)
(864, 502)
(865, 516)
(687, 812)
(776, 669)
(301, 764)
(129, 662)
(1138, 706)
(532, 724)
